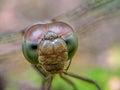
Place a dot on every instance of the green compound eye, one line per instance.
(37, 33)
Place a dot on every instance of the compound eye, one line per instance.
(37, 32)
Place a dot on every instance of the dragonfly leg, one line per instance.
(40, 70)
(84, 79)
(68, 81)
(47, 83)
(43, 84)
(50, 83)
(69, 63)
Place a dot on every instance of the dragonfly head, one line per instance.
(43, 35)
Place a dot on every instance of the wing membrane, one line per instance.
(11, 37)
(90, 13)
(85, 20)
(91, 22)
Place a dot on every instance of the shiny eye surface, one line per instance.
(36, 33)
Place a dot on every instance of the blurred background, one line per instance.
(97, 56)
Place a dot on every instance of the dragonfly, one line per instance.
(49, 53)
(83, 19)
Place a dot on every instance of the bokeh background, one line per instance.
(97, 56)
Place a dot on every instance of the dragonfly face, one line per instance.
(49, 48)
(50, 45)
(52, 52)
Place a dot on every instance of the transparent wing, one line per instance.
(10, 47)
(96, 23)
(12, 63)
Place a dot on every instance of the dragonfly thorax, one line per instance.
(52, 53)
